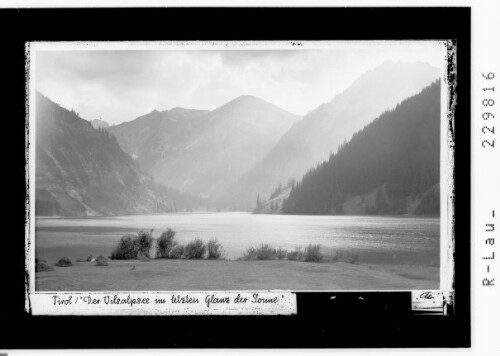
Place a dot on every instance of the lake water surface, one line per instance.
(393, 240)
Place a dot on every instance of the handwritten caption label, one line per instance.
(164, 303)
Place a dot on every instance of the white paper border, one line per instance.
(34, 299)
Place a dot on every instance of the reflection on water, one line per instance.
(414, 238)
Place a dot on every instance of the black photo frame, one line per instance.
(379, 320)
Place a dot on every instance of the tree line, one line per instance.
(395, 159)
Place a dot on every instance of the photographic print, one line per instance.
(239, 166)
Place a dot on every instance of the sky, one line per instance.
(118, 85)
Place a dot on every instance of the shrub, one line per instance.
(195, 249)
(101, 261)
(177, 252)
(296, 255)
(131, 246)
(145, 241)
(126, 249)
(281, 254)
(215, 250)
(64, 262)
(42, 266)
(250, 254)
(313, 253)
(165, 244)
(266, 252)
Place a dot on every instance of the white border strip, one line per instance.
(485, 301)
(37, 300)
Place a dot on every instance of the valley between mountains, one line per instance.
(372, 149)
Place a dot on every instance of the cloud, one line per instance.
(121, 85)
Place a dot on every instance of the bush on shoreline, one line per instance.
(195, 250)
(215, 251)
(165, 244)
(296, 255)
(145, 241)
(177, 252)
(312, 253)
(132, 247)
(126, 249)
(139, 247)
(281, 254)
(264, 252)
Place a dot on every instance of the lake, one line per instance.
(376, 239)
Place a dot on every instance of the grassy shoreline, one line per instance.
(183, 275)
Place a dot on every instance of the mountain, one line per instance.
(83, 171)
(99, 124)
(151, 137)
(202, 152)
(389, 167)
(312, 139)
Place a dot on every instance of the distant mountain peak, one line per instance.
(247, 97)
(200, 151)
(99, 123)
(243, 100)
(252, 102)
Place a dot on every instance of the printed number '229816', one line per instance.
(488, 142)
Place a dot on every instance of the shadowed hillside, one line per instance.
(83, 171)
(389, 167)
(311, 139)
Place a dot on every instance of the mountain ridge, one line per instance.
(83, 171)
(178, 152)
(391, 166)
(311, 139)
